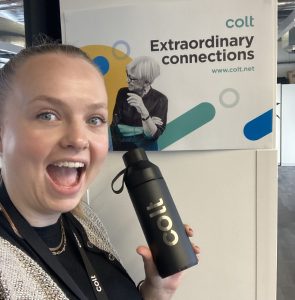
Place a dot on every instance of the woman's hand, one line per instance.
(154, 286)
(157, 121)
(136, 101)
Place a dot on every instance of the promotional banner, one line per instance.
(184, 75)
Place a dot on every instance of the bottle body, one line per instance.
(162, 226)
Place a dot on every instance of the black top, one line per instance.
(114, 278)
(155, 102)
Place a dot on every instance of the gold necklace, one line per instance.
(6, 215)
(62, 245)
(56, 250)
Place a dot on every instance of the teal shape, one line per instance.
(259, 127)
(186, 123)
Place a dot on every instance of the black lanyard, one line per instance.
(96, 284)
(40, 248)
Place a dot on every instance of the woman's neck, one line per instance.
(41, 220)
(34, 216)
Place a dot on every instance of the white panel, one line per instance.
(215, 193)
(288, 125)
(267, 174)
(278, 122)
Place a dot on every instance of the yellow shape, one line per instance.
(115, 78)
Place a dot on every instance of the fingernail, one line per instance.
(197, 248)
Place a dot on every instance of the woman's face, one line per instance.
(135, 85)
(53, 135)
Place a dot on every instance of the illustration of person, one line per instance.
(140, 112)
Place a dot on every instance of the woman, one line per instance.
(140, 112)
(53, 140)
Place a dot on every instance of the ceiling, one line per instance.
(11, 20)
(284, 9)
(12, 32)
(286, 16)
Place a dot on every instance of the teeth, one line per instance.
(69, 164)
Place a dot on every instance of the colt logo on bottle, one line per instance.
(164, 223)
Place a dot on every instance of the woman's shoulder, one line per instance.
(123, 90)
(157, 94)
(121, 94)
(21, 274)
(94, 228)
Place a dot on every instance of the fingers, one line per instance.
(156, 118)
(157, 121)
(137, 102)
(134, 97)
(189, 231)
(133, 102)
(144, 252)
(149, 266)
(196, 248)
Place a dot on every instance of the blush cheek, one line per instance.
(99, 153)
(22, 158)
(102, 149)
(36, 147)
(25, 149)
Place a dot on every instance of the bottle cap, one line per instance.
(134, 156)
(139, 169)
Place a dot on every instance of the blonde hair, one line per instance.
(11, 67)
(144, 68)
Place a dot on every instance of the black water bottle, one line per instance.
(163, 229)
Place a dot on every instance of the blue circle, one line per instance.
(127, 52)
(102, 63)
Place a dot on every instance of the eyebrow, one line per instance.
(56, 101)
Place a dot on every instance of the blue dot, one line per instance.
(102, 63)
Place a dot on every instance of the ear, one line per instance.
(146, 85)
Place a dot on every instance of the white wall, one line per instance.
(228, 197)
(288, 125)
(278, 122)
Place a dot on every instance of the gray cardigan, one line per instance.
(22, 278)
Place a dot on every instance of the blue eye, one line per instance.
(96, 121)
(47, 116)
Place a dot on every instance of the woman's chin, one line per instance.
(68, 206)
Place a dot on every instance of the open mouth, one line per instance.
(66, 174)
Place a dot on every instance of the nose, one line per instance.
(75, 138)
